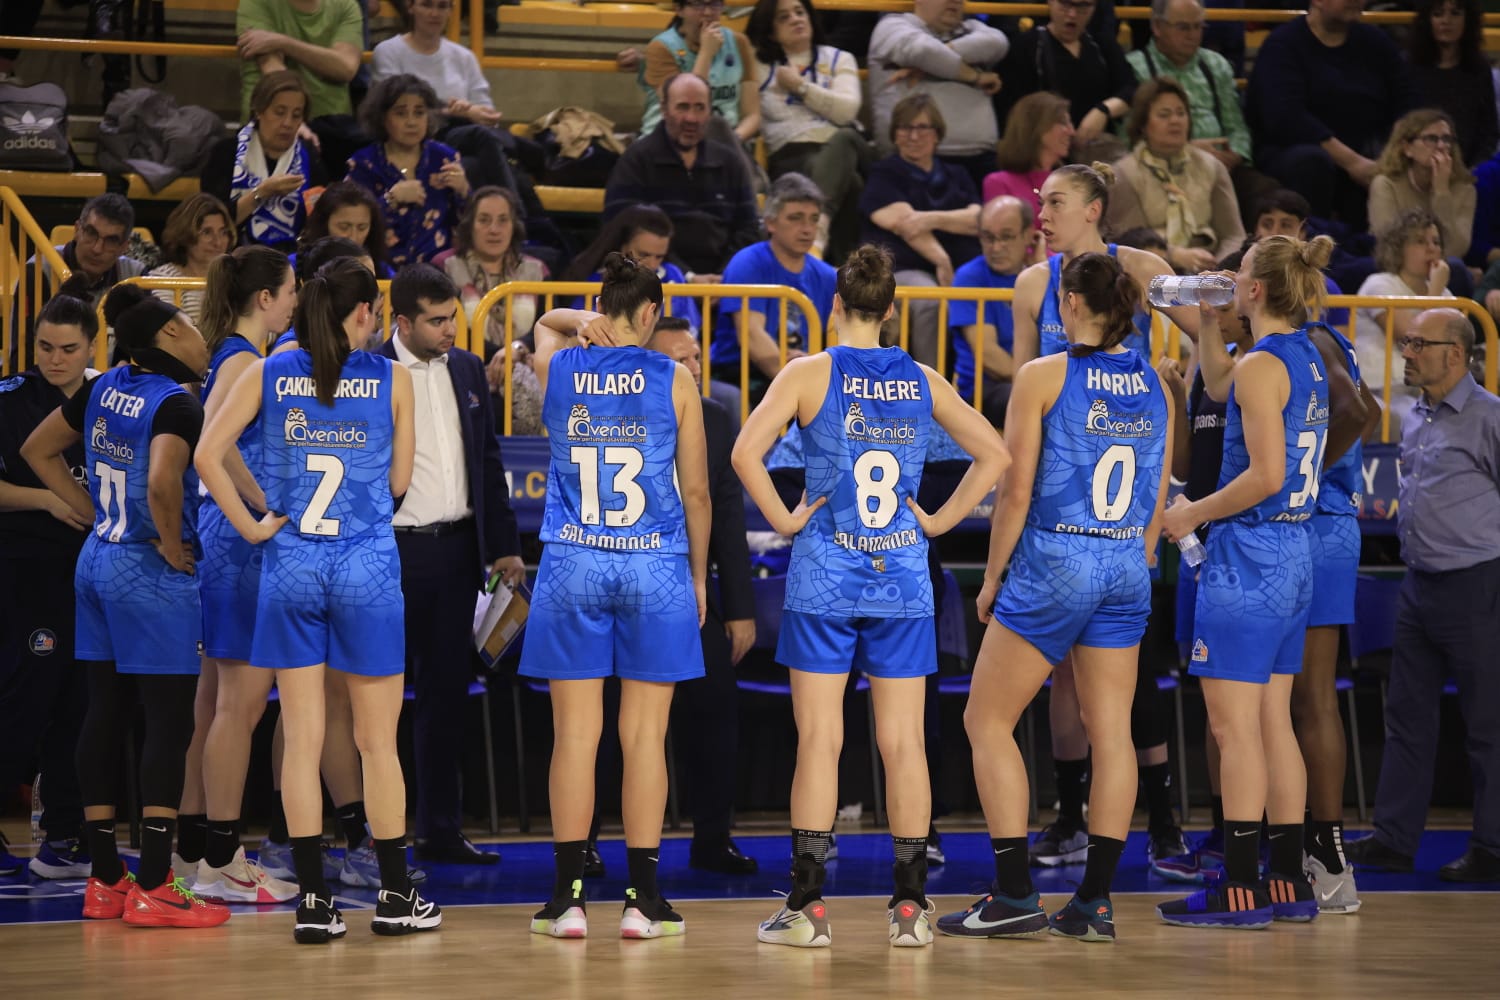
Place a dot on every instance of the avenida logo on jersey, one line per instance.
(890, 431)
(102, 441)
(300, 431)
(1101, 421)
(1317, 410)
(585, 426)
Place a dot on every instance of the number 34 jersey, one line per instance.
(612, 431)
(327, 468)
(863, 554)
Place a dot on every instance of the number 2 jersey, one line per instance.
(863, 554)
(327, 468)
(612, 431)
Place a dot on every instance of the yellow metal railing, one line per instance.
(705, 295)
(21, 299)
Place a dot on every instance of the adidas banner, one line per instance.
(34, 128)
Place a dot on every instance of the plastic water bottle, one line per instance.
(1193, 552)
(1168, 290)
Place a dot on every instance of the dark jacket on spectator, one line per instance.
(1037, 61)
(712, 206)
(1468, 96)
(947, 187)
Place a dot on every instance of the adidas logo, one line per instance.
(27, 124)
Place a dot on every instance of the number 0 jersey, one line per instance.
(327, 468)
(863, 553)
(612, 431)
(1305, 418)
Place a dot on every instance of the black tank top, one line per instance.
(1206, 419)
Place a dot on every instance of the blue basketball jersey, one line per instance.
(249, 441)
(1051, 337)
(863, 554)
(327, 468)
(1305, 418)
(612, 430)
(1103, 445)
(117, 447)
(1344, 480)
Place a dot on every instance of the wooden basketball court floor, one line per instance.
(1414, 937)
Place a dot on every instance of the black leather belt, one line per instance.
(437, 530)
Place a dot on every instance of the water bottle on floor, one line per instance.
(1167, 290)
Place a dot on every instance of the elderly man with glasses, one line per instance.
(96, 250)
(1449, 525)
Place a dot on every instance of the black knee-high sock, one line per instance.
(1099, 869)
(1156, 781)
(391, 854)
(223, 842)
(1286, 849)
(307, 859)
(156, 851)
(277, 833)
(1012, 868)
(104, 850)
(1072, 777)
(352, 822)
(192, 836)
(1242, 850)
(1324, 840)
(641, 863)
(569, 856)
(1218, 811)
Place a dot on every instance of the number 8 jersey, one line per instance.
(612, 431)
(863, 555)
(328, 467)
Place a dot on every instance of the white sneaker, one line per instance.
(804, 928)
(241, 881)
(911, 924)
(1335, 893)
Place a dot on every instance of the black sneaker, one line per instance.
(1059, 843)
(593, 862)
(1165, 843)
(318, 920)
(1370, 854)
(563, 916)
(396, 914)
(649, 917)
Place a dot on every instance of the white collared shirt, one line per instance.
(439, 488)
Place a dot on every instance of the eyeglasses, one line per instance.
(1417, 344)
(1076, 5)
(1186, 27)
(85, 233)
(1437, 140)
(920, 129)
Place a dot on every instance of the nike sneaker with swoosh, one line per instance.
(998, 916)
(1084, 920)
(1223, 904)
(62, 859)
(911, 923)
(102, 901)
(563, 916)
(1292, 898)
(649, 917)
(1059, 844)
(804, 928)
(1335, 893)
(318, 920)
(241, 881)
(396, 914)
(171, 904)
(1195, 865)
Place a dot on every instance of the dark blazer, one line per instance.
(488, 494)
(727, 548)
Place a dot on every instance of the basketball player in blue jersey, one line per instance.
(858, 593)
(249, 298)
(139, 620)
(621, 586)
(1076, 523)
(336, 441)
(1255, 588)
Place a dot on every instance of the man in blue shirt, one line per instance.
(1007, 245)
(792, 211)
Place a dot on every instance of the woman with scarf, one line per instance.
(1169, 185)
(265, 173)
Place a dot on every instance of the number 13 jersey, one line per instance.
(863, 554)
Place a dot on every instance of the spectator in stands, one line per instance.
(644, 234)
(1409, 253)
(1038, 135)
(1487, 291)
(467, 119)
(925, 210)
(1171, 185)
(1284, 212)
(350, 211)
(420, 180)
(487, 252)
(197, 232)
(701, 185)
(1449, 523)
(526, 412)
(792, 211)
(1422, 167)
(936, 52)
(96, 251)
(1088, 69)
(809, 104)
(1450, 71)
(1323, 96)
(695, 42)
(1007, 239)
(267, 171)
(319, 40)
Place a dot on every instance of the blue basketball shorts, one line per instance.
(1335, 561)
(136, 610)
(612, 614)
(228, 585)
(1254, 593)
(1075, 590)
(336, 602)
(877, 647)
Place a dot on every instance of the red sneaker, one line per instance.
(171, 904)
(102, 901)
